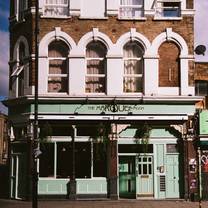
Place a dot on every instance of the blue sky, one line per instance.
(4, 50)
(201, 38)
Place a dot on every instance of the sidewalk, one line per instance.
(103, 204)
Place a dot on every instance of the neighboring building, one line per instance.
(109, 71)
(4, 159)
(3, 139)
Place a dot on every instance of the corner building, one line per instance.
(117, 76)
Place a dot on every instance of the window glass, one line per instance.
(133, 67)
(99, 160)
(171, 9)
(64, 160)
(83, 159)
(46, 161)
(201, 88)
(58, 67)
(172, 148)
(56, 8)
(96, 68)
(131, 8)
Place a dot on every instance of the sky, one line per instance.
(201, 27)
(201, 38)
(4, 51)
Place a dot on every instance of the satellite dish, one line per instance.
(200, 50)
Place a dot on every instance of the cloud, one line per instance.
(4, 68)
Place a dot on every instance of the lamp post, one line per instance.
(35, 132)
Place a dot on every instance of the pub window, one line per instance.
(167, 8)
(133, 67)
(58, 67)
(99, 160)
(131, 9)
(56, 8)
(96, 68)
(46, 162)
(19, 9)
(201, 88)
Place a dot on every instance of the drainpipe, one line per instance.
(199, 177)
(72, 185)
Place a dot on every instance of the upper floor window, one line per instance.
(20, 71)
(131, 9)
(133, 67)
(19, 8)
(58, 67)
(56, 8)
(201, 88)
(168, 8)
(96, 68)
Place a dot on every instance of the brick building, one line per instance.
(3, 139)
(118, 77)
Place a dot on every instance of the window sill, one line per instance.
(132, 19)
(55, 17)
(92, 18)
(168, 18)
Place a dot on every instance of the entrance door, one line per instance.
(18, 177)
(145, 176)
(127, 178)
(172, 176)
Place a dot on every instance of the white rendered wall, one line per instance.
(115, 76)
(93, 8)
(77, 69)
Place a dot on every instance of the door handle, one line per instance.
(174, 177)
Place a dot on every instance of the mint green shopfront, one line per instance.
(118, 166)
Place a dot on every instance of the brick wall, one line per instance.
(201, 71)
(112, 27)
(169, 66)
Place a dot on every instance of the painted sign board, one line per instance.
(203, 122)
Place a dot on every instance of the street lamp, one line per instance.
(35, 132)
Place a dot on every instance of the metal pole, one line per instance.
(199, 177)
(35, 139)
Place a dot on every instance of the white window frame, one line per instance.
(95, 75)
(53, 7)
(58, 75)
(131, 6)
(20, 6)
(160, 8)
(135, 75)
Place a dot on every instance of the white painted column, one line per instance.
(151, 68)
(114, 75)
(77, 71)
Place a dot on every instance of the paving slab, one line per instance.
(104, 204)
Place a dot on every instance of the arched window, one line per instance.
(58, 67)
(133, 67)
(20, 71)
(96, 68)
(169, 65)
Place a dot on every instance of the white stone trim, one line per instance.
(23, 40)
(135, 36)
(169, 35)
(95, 34)
(57, 34)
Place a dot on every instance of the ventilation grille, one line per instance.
(162, 183)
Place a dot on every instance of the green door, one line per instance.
(18, 176)
(127, 178)
(145, 176)
(172, 176)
